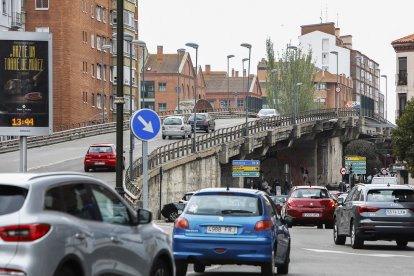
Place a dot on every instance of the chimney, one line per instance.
(159, 52)
(337, 32)
(232, 72)
(237, 74)
(208, 69)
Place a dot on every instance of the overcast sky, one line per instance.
(220, 26)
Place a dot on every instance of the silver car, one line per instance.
(71, 224)
(175, 126)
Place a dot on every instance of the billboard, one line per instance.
(25, 83)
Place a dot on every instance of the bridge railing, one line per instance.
(182, 148)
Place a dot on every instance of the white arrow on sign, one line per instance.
(147, 125)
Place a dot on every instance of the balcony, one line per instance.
(16, 20)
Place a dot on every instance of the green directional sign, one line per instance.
(246, 168)
(359, 164)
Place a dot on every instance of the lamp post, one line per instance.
(228, 81)
(386, 91)
(337, 88)
(194, 46)
(103, 48)
(248, 46)
(243, 60)
(142, 44)
(291, 47)
(179, 53)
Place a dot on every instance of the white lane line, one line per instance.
(357, 254)
(55, 163)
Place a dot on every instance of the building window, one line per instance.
(92, 10)
(4, 7)
(224, 103)
(402, 71)
(92, 40)
(321, 86)
(98, 101)
(98, 42)
(103, 15)
(84, 6)
(129, 19)
(162, 86)
(42, 4)
(162, 107)
(93, 70)
(325, 58)
(42, 29)
(98, 13)
(98, 71)
(85, 97)
(240, 103)
(111, 74)
(93, 100)
(325, 44)
(104, 72)
(402, 102)
(111, 103)
(85, 67)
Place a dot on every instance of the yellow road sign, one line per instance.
(246, 168)
(355, 158)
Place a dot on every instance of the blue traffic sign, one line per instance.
(145, 124)
(246, 163)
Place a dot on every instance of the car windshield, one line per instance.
(391, 195)
(310, 193)
(214, 204)
(173, 121)
(100, 149)
(11, 199)
(278, 199)
(267, 112)
(198, 116)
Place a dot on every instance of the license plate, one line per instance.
(221, 230)
(311, 215)
(395, 212)
(99, 163)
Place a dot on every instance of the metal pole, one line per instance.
(145, 173)
(228, 81)
(248, 46)
(179, 52)
(119, 96)
(103, 87)
(143, 77)
(386, 91)
(337, 84)
(195, 102)
(23, 153)
(131, 135)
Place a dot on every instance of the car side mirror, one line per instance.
(340, 201)
(287, 220)
(144, 216)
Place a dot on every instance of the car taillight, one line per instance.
(14, 272)
(205, 122)
(363, 209)
(182, 223)
(332, 204)
(23, 233)
(263, 225)
(163, 128)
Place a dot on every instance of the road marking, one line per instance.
(357, 254)
(54, 163)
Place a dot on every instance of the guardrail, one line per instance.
(98, 129)
(182, 148)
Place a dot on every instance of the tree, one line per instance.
(367, 149)
(282, 76)
(403, 137)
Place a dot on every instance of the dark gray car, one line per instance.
(203, 122)
(375, 212)
(72, 224)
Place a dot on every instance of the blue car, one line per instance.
(231, 226)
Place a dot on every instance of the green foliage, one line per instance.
(403, 137)
(283, 75)
(367, 149)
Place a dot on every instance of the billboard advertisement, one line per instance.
(25, 83)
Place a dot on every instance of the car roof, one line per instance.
(384, 185)
(230, 190)
(309, 187)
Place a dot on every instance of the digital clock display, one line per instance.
(17, 122)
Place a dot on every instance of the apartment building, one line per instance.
(11, 15)
(334, 53)
(225, 90)
(84, 74)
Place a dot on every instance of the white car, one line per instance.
(267, 113)
(175, 126)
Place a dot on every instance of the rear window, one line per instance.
(384, 180)
(310, 193)
(102, 149)
(11, 199)
(221, 205)
(172, 121)
(267, 111)
(390, 195)
(198, 116)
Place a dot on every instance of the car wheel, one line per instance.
(328, 225)
(163, 137)
(356, 242)
(66, 271)
(180, 268)
(160, 269)
(86, 169)
(172, 216)
(402, 243)
(199, 268)
(208, 129)
(284, 268)
(338, 239)
(320, 226)
(268, 269)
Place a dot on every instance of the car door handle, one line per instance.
(115, 239)
(80, 236)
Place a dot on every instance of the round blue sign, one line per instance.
(145, 124)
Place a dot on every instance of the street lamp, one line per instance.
(386, 90)
(292, 47)
(248, 46)
(103, 48)
(337, 88)
(180, 52)
(243, 60)
(297, 98)
(228, 81)
(194, 46)
(142, 44)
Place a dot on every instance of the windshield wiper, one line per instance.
(230, 211)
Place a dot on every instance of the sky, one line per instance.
(220, 26)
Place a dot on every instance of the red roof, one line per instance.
(405, 39)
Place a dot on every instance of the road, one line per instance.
(68, 156)
(313, 252)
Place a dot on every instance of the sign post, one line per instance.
(355, 165)
(145, 125)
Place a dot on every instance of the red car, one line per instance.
(101, 156)
(310, 205)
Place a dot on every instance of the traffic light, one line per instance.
(350, 169)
